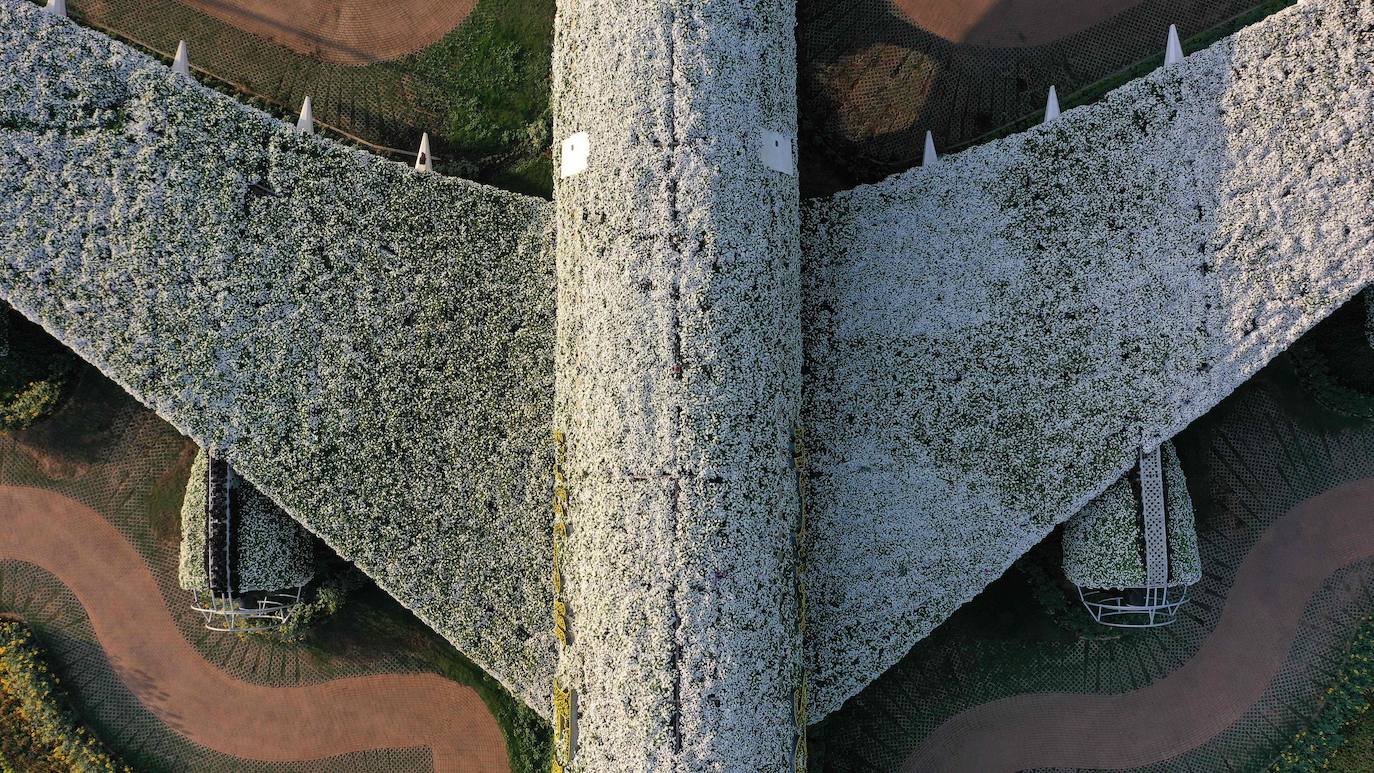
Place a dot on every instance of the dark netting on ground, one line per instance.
(872, 82)
(116, 716)
(1265, 449)
(481, 92)
(108, 452)
(118, 458)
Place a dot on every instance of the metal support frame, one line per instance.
(247, 612)
(1150, 607)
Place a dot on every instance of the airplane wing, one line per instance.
(991, 339)
(250, 283)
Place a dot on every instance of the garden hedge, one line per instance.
(1102, 543)
(273, 551)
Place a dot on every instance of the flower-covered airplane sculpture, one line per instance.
(761, 445)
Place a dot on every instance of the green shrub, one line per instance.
(329, 596)
(38, 730)
(1319, 745)
(34, 372)
(29, 403)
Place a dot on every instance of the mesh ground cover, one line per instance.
(872, 82)
(1268, 447)
(113, 455)
(481, 92)
(118, 718)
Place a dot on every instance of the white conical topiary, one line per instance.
(306, 123)
(1173, 50)
(422, 159)
(181, 62)
(1052, 106)
(928, 157)
(58, 7)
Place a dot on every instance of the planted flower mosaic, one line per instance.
(987, 344)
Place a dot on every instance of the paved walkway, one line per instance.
(1206, 695)
(1009, 23)
(206, 705)
(354, 32)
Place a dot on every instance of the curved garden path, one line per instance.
(353, 32)
(1230, 671)
(210, 707)
(1008, 23)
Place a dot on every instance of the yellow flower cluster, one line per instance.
(25, 678)
(564, 710)
(1348, 698)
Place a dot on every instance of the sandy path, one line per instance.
(1206, 695)
(1009, 23)
(353, 32)
(212, 708)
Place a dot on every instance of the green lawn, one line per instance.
(494, 70)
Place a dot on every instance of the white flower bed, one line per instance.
(679, 366)
(274, 552)
(991, 339)
(371, 345)
(1102, 543)
(988, 341)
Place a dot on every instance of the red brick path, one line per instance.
(353, 32)
(1206, 695)
(212, 708)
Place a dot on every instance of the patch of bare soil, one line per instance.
(1008, 23)
(351, 32)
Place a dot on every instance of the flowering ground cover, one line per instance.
(114, 455)
(254, 312)
(1102, 543)
(481, 91)
(873, 81)
(990, 340)
(274, 552)
(1266, 448)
